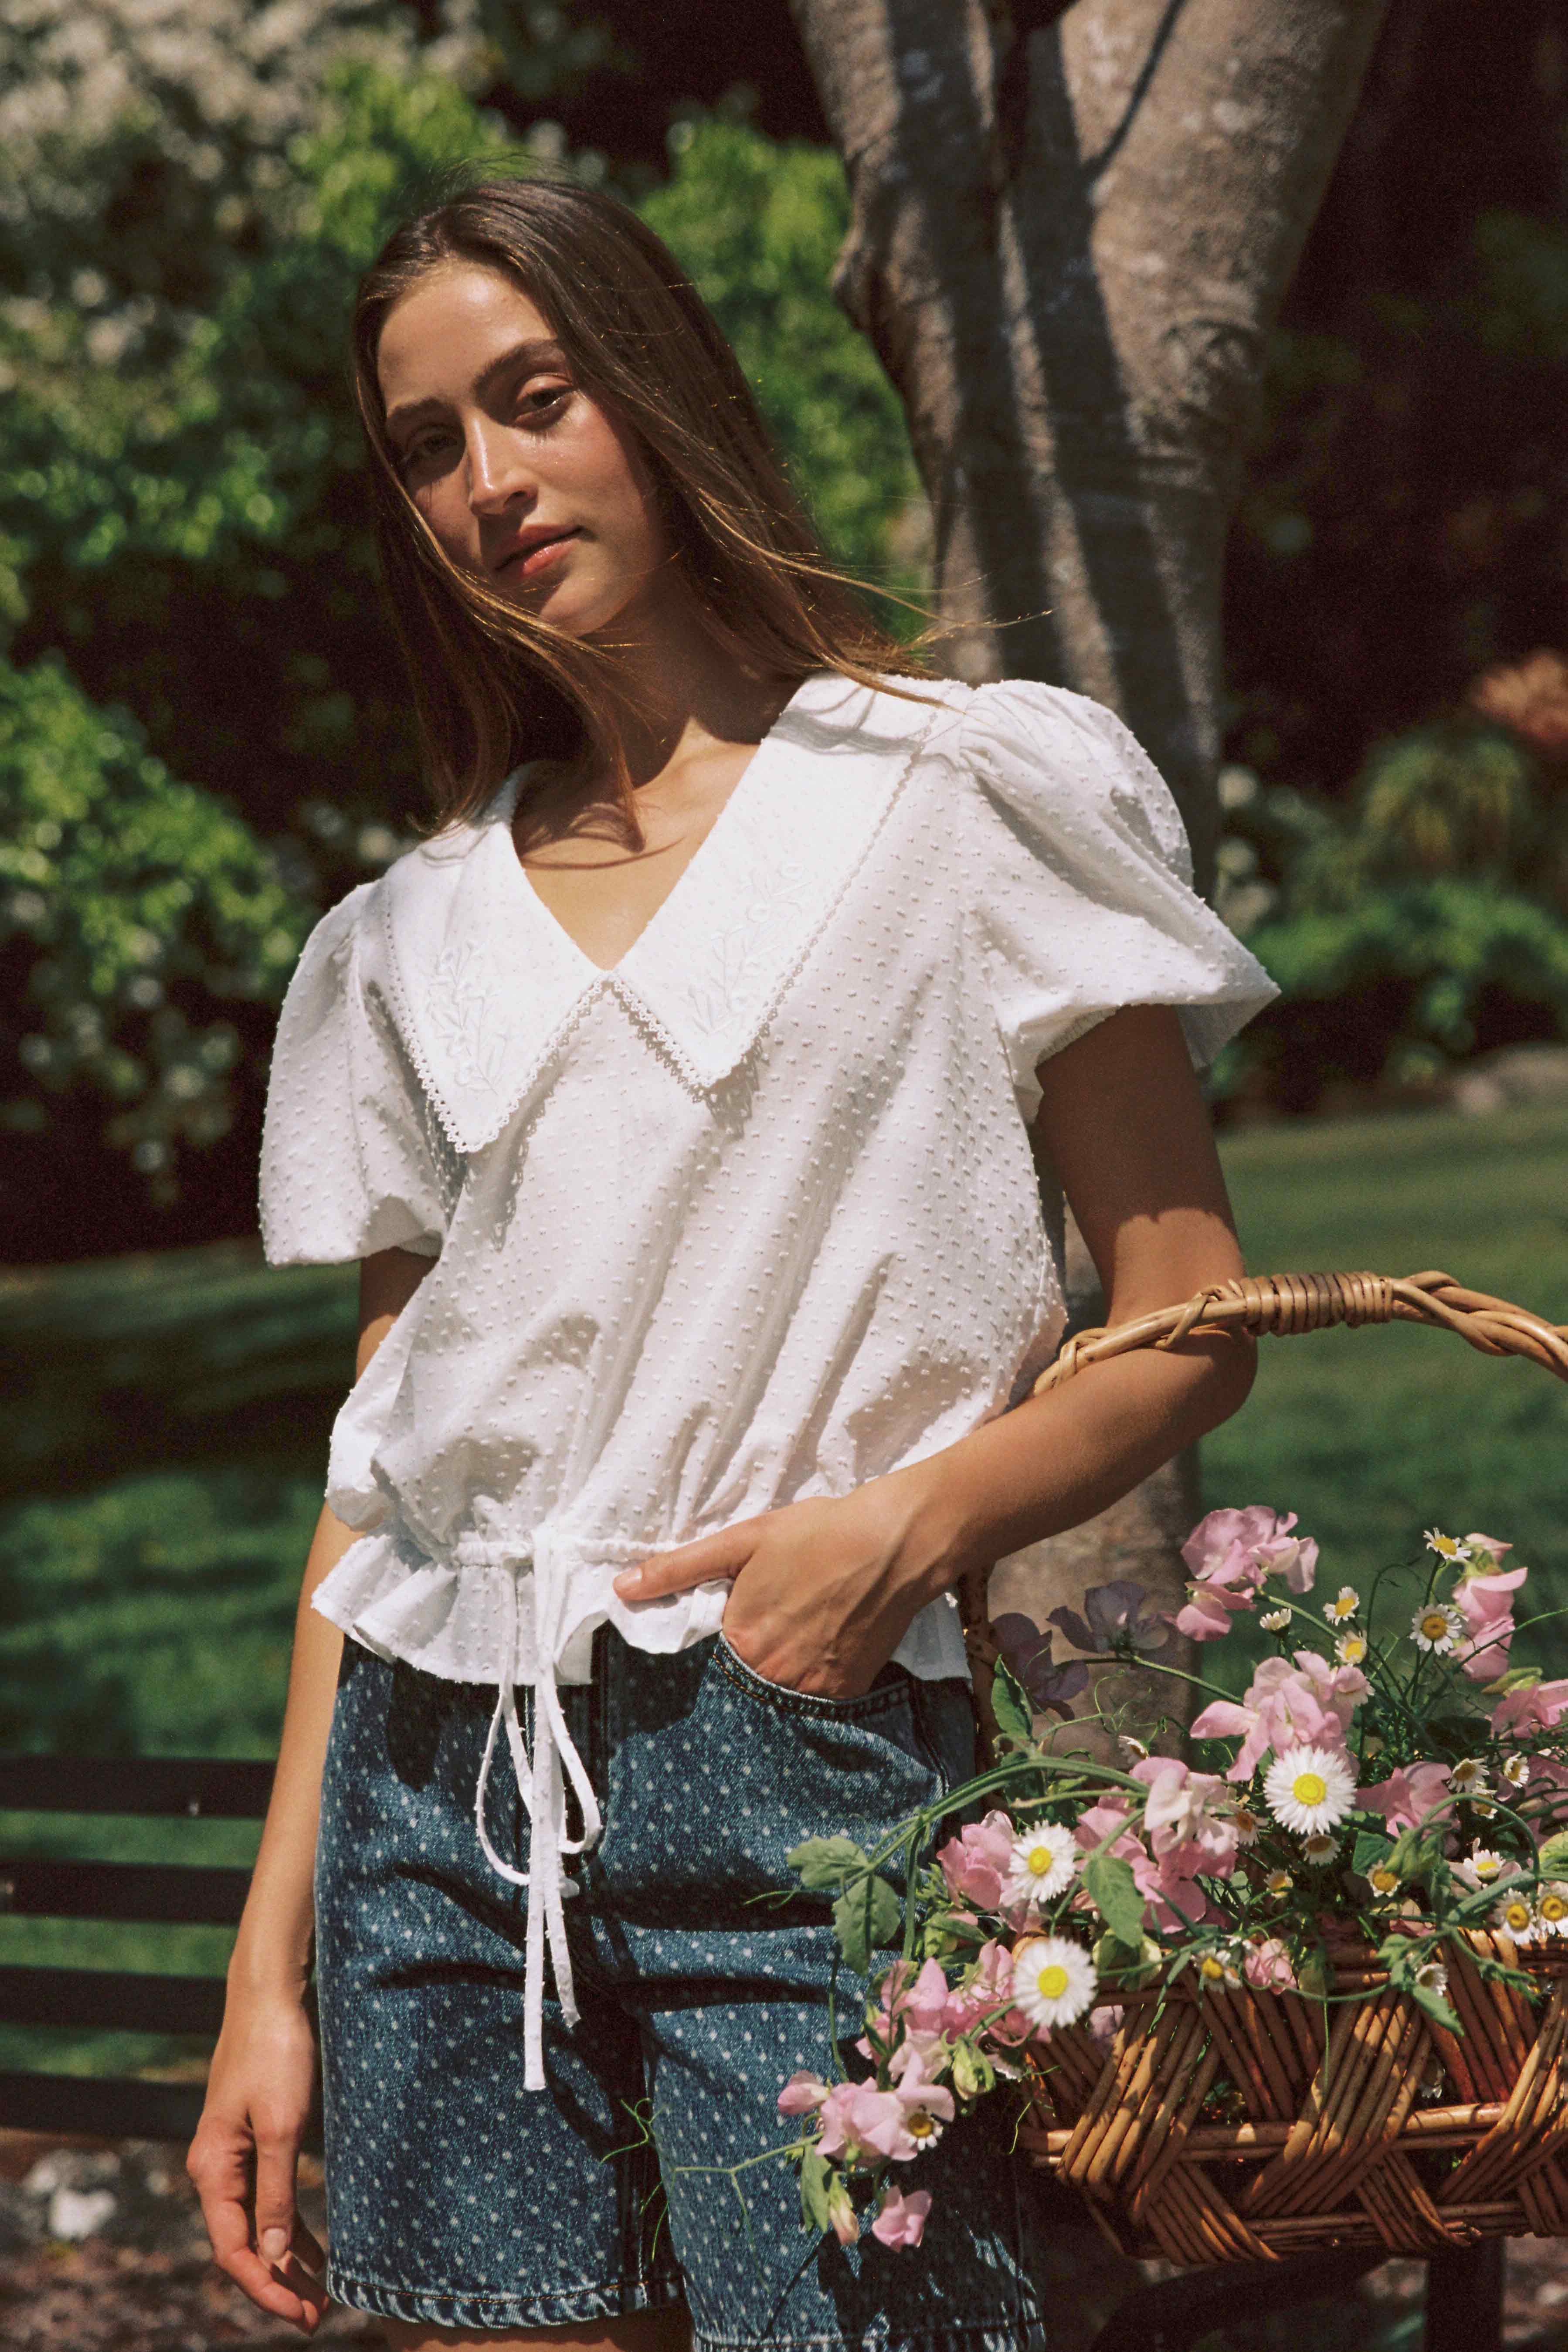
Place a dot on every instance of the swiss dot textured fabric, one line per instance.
(749, 1218)
(454, 2198)
(752, 1215)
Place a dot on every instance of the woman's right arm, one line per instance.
(246, 2145)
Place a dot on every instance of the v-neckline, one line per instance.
(697, 857)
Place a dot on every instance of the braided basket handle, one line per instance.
(1284, 1305)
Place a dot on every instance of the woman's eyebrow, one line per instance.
(525, 355)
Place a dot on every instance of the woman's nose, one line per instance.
(498, 467)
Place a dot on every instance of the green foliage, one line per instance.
(1010, 1704)
(1112, 1887)
(866, 1915)
(136, 912)
(1423, 923)
(758, 226)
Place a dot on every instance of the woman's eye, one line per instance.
(544, 402)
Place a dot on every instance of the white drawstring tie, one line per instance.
(543, 1792)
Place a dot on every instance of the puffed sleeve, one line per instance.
(350, 1155)
(1083, 882)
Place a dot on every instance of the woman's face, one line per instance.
(524, 480)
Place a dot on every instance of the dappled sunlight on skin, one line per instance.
(642, 2331)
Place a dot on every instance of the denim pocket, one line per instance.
(891, 1684)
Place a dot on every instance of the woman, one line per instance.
(676, 1097)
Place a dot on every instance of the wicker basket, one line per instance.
(1223, 2126)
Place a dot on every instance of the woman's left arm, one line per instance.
(823, 1590)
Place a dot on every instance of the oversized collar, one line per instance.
(486, 983)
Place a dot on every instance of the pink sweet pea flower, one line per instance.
(857, 2116)
(1223, 1536)
(926, 2104)
(1268, 1967)
(803, 2094)
(902, 2220)
(1493, 1550)
(1307, 1704)
(1409, 1794)
(976, 1862)
(1172, 1891)
(986, 1991)
(1206, 1616)
(1485, 1604)
(1183, 1819)
(1533, 1706)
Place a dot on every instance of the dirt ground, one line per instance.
(102, 2250)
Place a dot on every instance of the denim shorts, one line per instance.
(456, 2198)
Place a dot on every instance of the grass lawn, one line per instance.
(164, 1444)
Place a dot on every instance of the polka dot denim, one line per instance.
(456, 2198)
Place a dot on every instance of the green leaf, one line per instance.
(1112, 1888)
(1437, 2008)
(1370, 1848)
(814, 2178)
(1553, 1859)
(866, 1915)
(1125, 1965)
(824, 1864)
(1010, 1704)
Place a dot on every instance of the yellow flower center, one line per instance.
(1052, 1981)
(920, 2125)
(1518, 1914)
(1435, 1626)
(1383, 1881)
(1210, 1967)
(1040, 1861)
(1552, 1906)
(1309, 1788)
(1488, 1867)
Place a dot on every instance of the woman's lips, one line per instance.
(538, 556)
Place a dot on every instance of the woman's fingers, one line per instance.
(702, 1562)
(220, 2165)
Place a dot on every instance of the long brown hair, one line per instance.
(494, 686)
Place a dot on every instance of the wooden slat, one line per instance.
(219, 1788)
(111, 2106)
(113, 1998)
(36, 1887)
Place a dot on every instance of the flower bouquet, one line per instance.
(1310, 1990)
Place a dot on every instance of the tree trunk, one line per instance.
(1072, 229)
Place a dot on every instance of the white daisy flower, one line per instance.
(1214, 1971)
(1310, 1789)
(1245, 1823)
(1468, 1777)
(1516, 1771)
(1132, 1751)
(1437, 1627)
(1432, 1976)
(1351, 1649)
(1053, 1979)
(1346, 1603)
(1320, 1848)
(1551, 1908)
(1483, 1808)
(1447, 1547)
(1042, 1865)
(1383, 1880)
(1278, 1884)
(1483, 1868)
(1515, 1914)
(1274, 1621)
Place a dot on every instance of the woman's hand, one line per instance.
(243, 2157)
(822, 1593)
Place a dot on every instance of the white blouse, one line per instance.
(749, 1216)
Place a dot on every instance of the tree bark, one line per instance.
(1072, 227)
